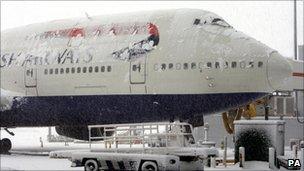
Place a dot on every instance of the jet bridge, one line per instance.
(296, 82)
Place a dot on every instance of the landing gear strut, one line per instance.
(5, 145)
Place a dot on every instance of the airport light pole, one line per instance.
(295, 30)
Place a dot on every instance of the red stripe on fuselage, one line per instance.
(298, 74)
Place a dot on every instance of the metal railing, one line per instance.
(143, 135)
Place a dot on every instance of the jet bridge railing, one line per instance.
(143, 135)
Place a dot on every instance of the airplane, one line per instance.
(136, 67)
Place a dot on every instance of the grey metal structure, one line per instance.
(293, 130)
(164, 146)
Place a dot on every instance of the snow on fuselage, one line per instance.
(137, 67)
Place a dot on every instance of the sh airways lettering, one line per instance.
(66, 56)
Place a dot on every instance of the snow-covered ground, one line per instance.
(250, 165)
(28, 162)
(27, 140)
(29, 155)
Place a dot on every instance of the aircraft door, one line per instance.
(30, 80)
(138, 70)
(30, 77)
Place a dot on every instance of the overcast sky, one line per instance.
(270, 22)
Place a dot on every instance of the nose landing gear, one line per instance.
(5, 146)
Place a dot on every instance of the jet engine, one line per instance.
(79, 132)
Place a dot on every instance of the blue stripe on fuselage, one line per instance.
(111, 109)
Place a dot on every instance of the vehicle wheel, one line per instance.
(91, 165)
(5, 145)
(149, 166)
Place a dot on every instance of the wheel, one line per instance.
(5, 145)
(149, 166)
(91, 165)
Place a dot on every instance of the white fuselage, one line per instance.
(198, 53)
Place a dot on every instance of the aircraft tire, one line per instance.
(5, 145)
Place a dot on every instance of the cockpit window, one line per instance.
(211, 21)
(220, 22)
(216, 20)
(197, 21)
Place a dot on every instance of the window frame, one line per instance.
(170, 66)
(73, 70)
(67, 70)
(185, 66)
(209, 65)
(233, 64)
(260, 64)
(193, 65)
(84, 69)
(217, 65)
(96, 69)
(78, 70)
(109, 68)
(102, 69)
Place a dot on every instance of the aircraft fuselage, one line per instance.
(126, 68)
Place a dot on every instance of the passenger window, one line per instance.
(233, 64)
(134, 67)
(163, 66)
(178, 66)
(209, 65)
(109, 68)
(67, 70)
(193, 65)
(185, 65)
(250, 65)
(84, 69)
(56, 71)
(226, 65)
(73, 70)
(196, 21)
(102, 69)
(61, 70)
(51, 71)
(217, 65)
(45, 71)
(90, 69)
(242, 64)
(170, 66)
(78, 70)
(260, 64)
(28, 72)
(155, 67)
(96, 69)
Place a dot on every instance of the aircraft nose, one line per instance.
(278, 71)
